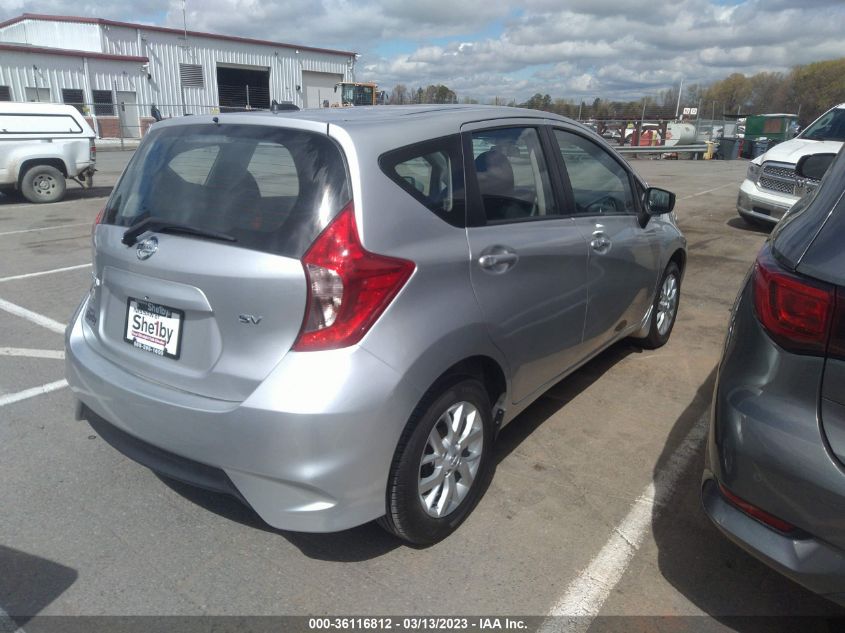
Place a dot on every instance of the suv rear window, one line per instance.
(272, 189)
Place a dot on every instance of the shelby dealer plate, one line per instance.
(153, 327)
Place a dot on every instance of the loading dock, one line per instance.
(242, 87)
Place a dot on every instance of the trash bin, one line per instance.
(759, 147)
(729, 148)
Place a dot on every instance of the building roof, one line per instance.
(25, 48)
(164, 29)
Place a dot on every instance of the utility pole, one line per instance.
(680, 92)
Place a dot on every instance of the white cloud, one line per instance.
(481, 48)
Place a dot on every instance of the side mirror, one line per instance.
(813, 166)
(658, 201)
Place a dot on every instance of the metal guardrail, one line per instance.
(662, 149)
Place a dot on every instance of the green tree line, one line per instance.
(807, 90)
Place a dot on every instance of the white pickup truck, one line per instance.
(771, 187)
(42, 145)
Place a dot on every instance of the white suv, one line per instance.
(43, 145)
(771, 187)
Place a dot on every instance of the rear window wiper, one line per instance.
(168, 226)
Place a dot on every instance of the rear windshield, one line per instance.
(272, 189)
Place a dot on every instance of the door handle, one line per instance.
(600, 243)
(498, 259)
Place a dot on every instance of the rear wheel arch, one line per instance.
(28, 164)
(484, 369)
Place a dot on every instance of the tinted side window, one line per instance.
(431, 172)
(513, 178)
(600, 185)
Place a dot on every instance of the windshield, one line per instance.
(270, 188)
(829, 127)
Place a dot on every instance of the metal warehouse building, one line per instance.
(115, 71)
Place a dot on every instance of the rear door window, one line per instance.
(431, 173)
(272, 189)
(513, 177)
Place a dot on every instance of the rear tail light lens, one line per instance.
(756, 513)
(92, 150)
(795, 311)
(836, 346)
(348, 286)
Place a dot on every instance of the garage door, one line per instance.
(319, 87)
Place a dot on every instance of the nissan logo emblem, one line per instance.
(147, 248)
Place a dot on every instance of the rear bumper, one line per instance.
(309, 450)
(760, 204)
(766, 446)
(810, 562)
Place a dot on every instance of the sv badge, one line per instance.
(249, 319)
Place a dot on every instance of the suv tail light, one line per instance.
(92, 150)
(836, 345)
(348, 286)
(795, 311)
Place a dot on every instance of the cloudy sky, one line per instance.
(576, 49)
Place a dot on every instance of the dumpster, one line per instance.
(780, 127)
(729, 148)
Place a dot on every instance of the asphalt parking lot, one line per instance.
(593, 509)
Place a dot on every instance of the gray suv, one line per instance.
(774, 482)
(330, 314)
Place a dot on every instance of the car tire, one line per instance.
(420, 510)
(43, 183)
(664, 310)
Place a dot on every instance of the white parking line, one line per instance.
(45, 228)
(701, 193)
(585, 596)
(25, 352)
(31, 393)
(43, 272)
(32, 317)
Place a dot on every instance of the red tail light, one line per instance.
(795, 311)
(757, 513)
(348, 286)
(836, 346)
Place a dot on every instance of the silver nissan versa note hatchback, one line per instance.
(330, 314)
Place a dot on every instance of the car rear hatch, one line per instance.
(209, 293)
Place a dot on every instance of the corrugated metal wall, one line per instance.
(71, 35)
(17, 72)
(165, 51)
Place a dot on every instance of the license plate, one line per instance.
(153, 328)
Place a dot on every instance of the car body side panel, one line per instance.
(435, 321)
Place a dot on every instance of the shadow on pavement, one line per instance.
(564, 391)
(745, 225)
(73, 193)
(29, 583)
(357, 544)
(715, 575)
